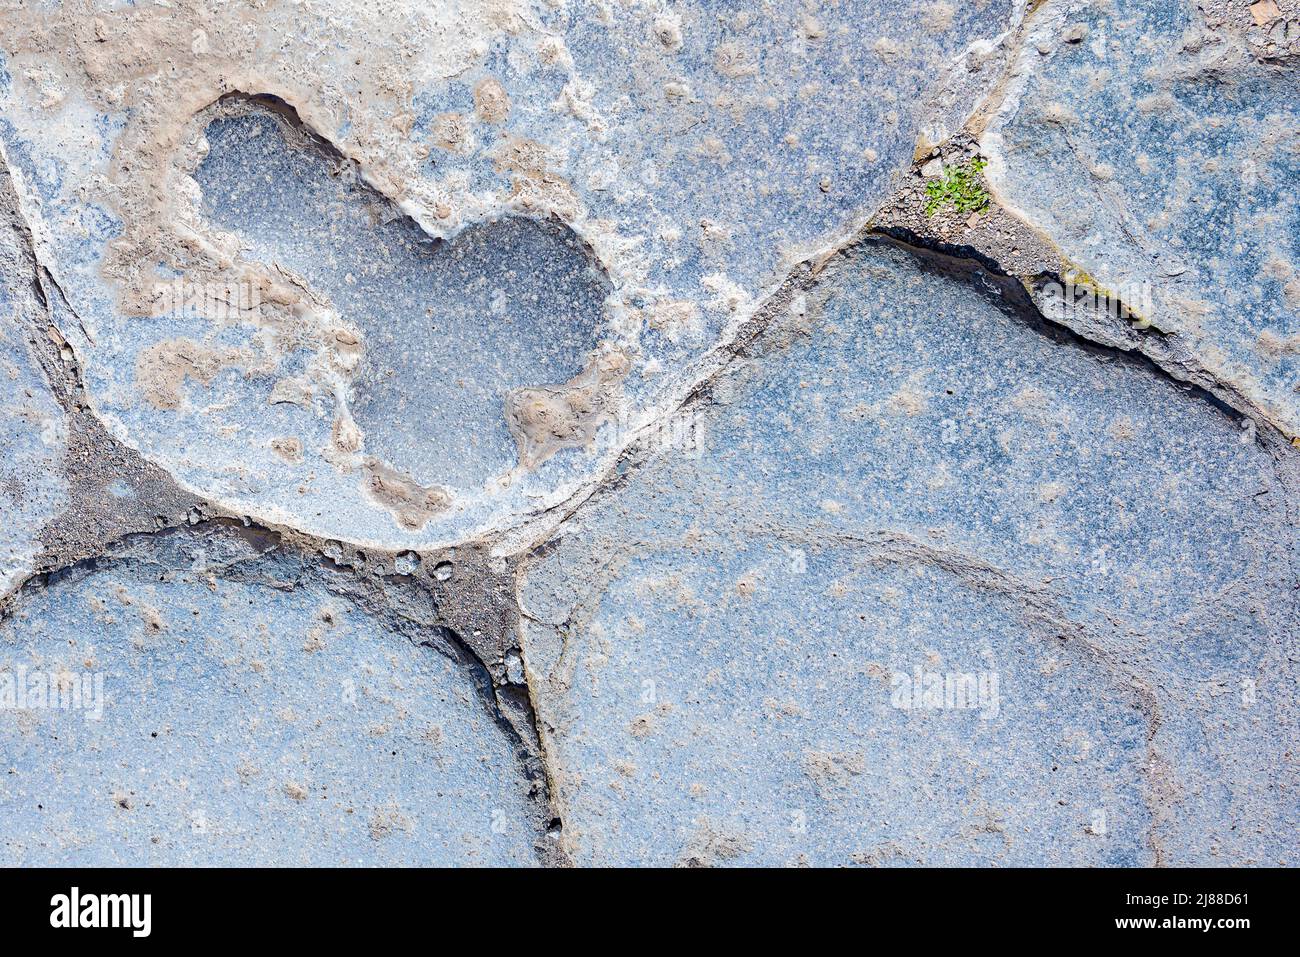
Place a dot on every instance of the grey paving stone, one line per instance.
(1155, 143)
(906, 475)
(375, 374)
(205, 698)
(33, 428)
(284, 342)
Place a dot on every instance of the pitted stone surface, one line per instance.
(205, 698)
(499, 432)
(908, 476)
(1157, 146)
(33, 428)
(699, 150)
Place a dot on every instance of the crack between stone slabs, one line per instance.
(1007, 290)
(374, 587)
(1036, 261)
(1010, 292)
(92, 458)
(516, 718)
(64, 382)
(708, 369)
(987, 278)
(1164, 350)
(43, 276)
(1036, 604)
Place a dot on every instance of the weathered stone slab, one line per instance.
(1157, 143)
(911, 472)
(204, 698)
(33, 429)
(303, 351)
(829, 550)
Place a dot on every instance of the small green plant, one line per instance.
(958, 187)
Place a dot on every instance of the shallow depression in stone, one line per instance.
(448, 327)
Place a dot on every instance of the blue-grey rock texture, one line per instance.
(545, 432)
(250, 313)
(33, 487)
(213, 700)
(1157, 143)
(906, 471)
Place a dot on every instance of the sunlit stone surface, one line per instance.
(910, 477)
(217, 703)
(499, 432)
(32, 426)
(697, 151)
(1160, 149)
